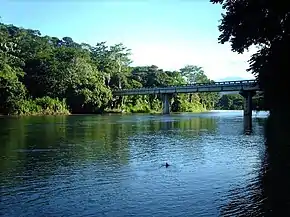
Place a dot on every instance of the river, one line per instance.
(111, 165)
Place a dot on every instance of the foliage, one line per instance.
(259, 102)
(39, 106)
(195, 74)
(266, 25)
(11, 90)
(230, 102)
(47, 75)
(236, 102)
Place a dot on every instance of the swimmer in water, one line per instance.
(165, 165)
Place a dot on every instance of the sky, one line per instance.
(166, 33)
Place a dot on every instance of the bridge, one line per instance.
(247, 88)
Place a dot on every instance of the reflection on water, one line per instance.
(268, 192)
(111, 165)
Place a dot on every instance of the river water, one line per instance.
(111, 165)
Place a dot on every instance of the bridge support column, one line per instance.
(122, 102)
(248, 108)
(166, 98)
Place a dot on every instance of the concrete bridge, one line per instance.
(247, 88)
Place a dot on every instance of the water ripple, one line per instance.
(114, 166)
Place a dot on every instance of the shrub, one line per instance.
(39, 106)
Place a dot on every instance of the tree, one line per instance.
(113, 62)
(46, 73)
(230, 102)
(195, 74)
(11, 89)
(266, 25)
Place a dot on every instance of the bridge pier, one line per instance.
(166, 99)
(248, 108)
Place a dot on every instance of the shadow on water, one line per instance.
(270, 192)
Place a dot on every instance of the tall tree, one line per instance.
(266, 25)
(193, 73)
(196, 74)
(39, 71)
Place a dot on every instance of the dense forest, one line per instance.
(47, 75)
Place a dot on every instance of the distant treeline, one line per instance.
(47, 75)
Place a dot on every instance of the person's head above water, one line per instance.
(167, 165)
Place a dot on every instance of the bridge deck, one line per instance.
(193, 88)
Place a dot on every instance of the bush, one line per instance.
(39, 106)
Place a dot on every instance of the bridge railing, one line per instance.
(218, 83)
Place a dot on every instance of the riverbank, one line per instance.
(118, 111)
(140, 111)
(107, 111)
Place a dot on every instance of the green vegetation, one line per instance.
(264, 24)
(236, 102)
(47, 75)
(230, 102)
(39, 106)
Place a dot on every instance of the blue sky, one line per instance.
(166, 33)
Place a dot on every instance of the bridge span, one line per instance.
(247, 88)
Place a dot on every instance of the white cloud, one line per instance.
(217, 60)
